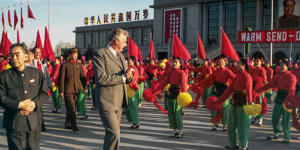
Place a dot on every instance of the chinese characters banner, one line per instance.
(172, 23)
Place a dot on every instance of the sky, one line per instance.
(66, 15)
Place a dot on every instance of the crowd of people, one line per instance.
(116, 83)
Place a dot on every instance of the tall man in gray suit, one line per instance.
(111, 74)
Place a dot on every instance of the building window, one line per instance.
(135, 36)
(230, 25)
(185, 26)
(146, 35)
(249, 14)
(267, 14)
(213, 23)
(102, 38)
(84, 40)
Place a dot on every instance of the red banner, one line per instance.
(274, 36)
(172, 23)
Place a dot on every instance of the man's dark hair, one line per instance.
(245, 63)
(285, 62)
(132, 58)
(33, 49)
(22, 45)
(285, 1)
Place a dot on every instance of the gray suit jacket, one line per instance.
(110, 91)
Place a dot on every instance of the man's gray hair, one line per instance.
(116, 33)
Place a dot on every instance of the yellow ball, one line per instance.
(286, 109)
(184, 99)
(167, 87)
(53, 88)
(8, 66)
(130, 91)
(252, 110)
(162, 65)
(165, 60)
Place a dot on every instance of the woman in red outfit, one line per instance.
(220, 79)
(238, 122)
(151, 71)
(55, 93)
(177, 78)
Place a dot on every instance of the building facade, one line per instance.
(96, 36)
(205, 17)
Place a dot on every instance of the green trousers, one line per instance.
(269, 96)
(174, 114)
(56, 99)
(298, 93)
(131, 111)
(206, 93)
(238, 122)
(165, 101)
(140, 92)
(225, 112)
(81, 107)
(286, 116)
(260, 102)
(90, 89)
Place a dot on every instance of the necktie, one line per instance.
(39, 66)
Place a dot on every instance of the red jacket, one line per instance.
(269, 72)
(296, 72)
(174, 77)
(283, 81)
(242, 82)
(55, 73)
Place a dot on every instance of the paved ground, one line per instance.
(153, 134)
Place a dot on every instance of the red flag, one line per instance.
(18, 36)
(38, 43)
(227, 48)
(7, 45)
(179, 50)
(22, 20)
(3, 21)
(140, 55)
(30, 14)
(151, 48)
(2, 42)
(15, 19)
(133, 49)
(8, 16)
(48, 47)
(200, 47)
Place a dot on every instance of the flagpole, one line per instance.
(49, 19)
(27, 25)
(272, 26)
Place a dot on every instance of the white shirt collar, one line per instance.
(112, 50)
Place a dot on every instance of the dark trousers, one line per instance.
(23, 140)
(111, 122)
(70, 102)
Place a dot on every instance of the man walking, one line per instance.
(23, 91)
(111, 75)
(71, 81)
